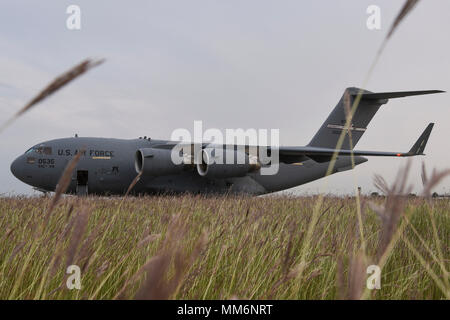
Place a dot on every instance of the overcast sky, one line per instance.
(230, 63)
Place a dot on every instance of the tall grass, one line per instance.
(221, 247)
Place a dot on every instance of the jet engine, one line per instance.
(156, 162)
(211, 166)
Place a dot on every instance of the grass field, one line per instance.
(194, 247)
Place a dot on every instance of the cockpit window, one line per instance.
(40, 150)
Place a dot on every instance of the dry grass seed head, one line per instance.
(80, 224)
(406, 9)
(64, 181)
(55, 85)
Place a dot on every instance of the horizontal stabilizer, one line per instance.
(392, 95)
(324, 154)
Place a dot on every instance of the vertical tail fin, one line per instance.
(330, 131)
(419, 147)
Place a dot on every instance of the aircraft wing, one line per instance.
(318, 154)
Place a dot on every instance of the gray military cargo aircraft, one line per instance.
(108, 166)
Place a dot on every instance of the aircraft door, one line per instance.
(82, 182)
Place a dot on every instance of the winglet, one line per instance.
(419, 146)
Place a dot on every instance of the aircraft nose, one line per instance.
(17, 167)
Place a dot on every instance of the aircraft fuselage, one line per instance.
(107, 167)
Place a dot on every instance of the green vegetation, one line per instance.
(194, 247)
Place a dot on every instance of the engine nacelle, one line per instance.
(207, 165)
(156, 162)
